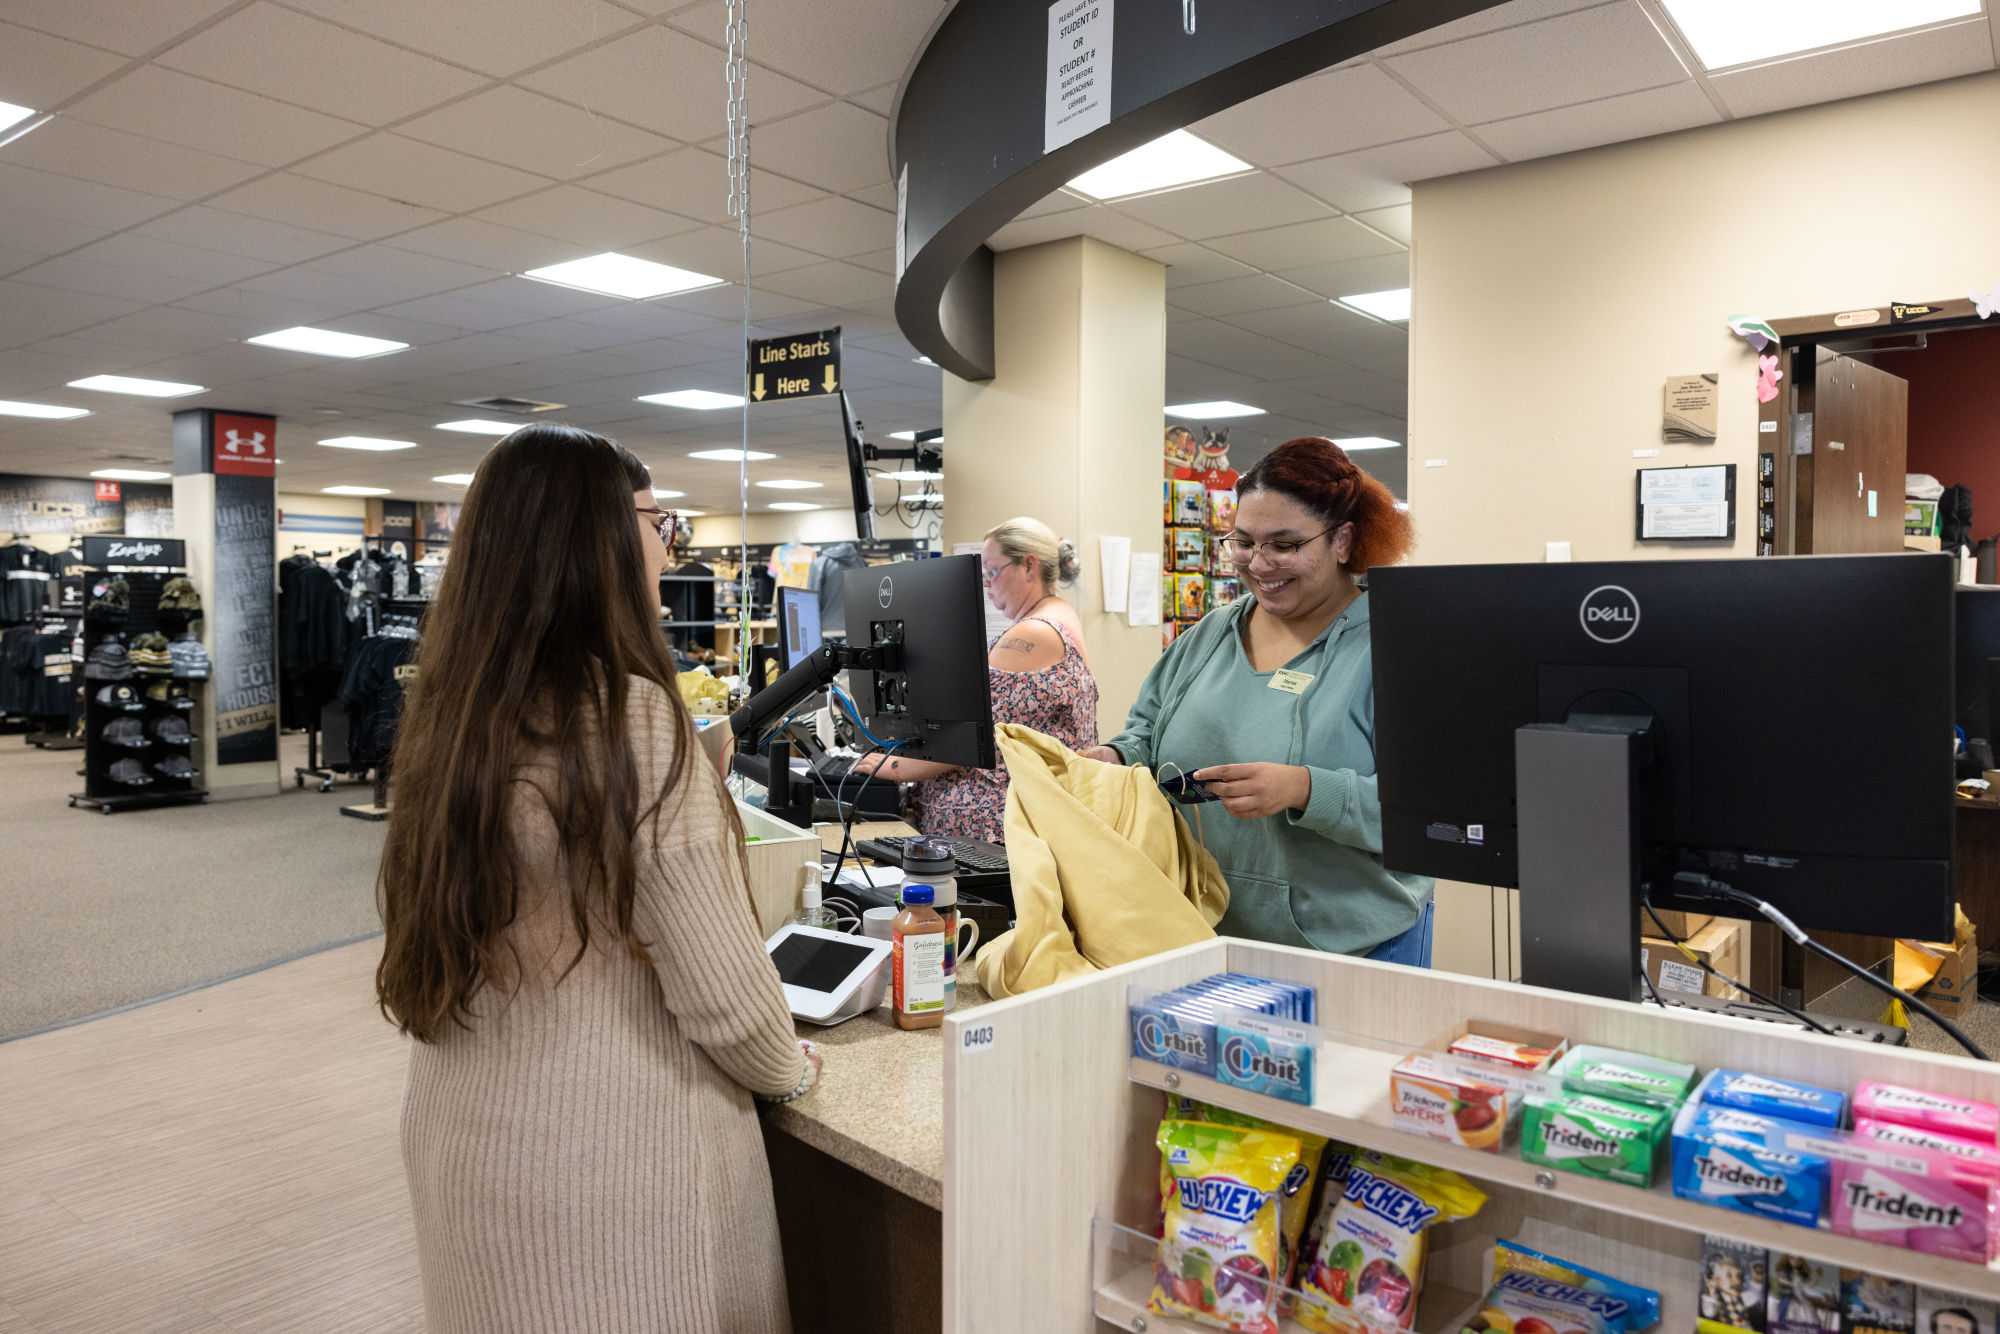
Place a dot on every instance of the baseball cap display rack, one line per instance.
(102, 625)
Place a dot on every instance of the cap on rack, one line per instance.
(130, 772)
(120, 697)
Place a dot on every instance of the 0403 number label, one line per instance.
(975, 1037)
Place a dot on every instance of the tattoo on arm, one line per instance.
(1017, 645)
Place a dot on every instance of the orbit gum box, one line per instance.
(1265, 1055)
(1177, 1028)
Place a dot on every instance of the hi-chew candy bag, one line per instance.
(1781, 1098)
(1219, 1252)
(1960, 1117)
(1642, 1305)
(1295, 1196)
(1524, 1303)
(1370, 1263)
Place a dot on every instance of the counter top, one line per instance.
(879, 1102)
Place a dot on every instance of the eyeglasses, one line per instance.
(663, 522)
(987, 576)
(1242, 550)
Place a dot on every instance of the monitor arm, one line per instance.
(763, 714)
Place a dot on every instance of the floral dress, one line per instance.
(1059, 700)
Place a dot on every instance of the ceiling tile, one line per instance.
(116, 25)
(1574, 58)
(1233, 295)
(234, 234)
(264, 310)
(1610, 120)
(535, 298)
(1113, 228)
(1377, 273)
(406, 272)
(1302, 243)
(718, 252)
(844, 48)
(882, 261)
(526, 130)
(878, 100)
(1380, 177)
(1243, 352)
(831, 284)
(1392, 222)
(1383, 348)
(882, 195)
(13, 259)
(333, 291)
(838, 147)
(411, 172)
(1056, 201)
(573, 335)
(89, 152)
(487, 244)
(1220, 207)
(1189, 264)
(694, 183)
(1941, 53)
(595, 221)
(1510, 15)
(1315, 324)
(498, 37)
(212, 117)
(29, 314)
(312, 64)
(319, 205)
(76, 275)
(210, 268)
(37, 233)
(828, 226)
(1334, 112)
(656, 78)
(457, 312)
(43, 71)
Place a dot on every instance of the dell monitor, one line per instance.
(939, 701)
(798, 625)
(1782, 725)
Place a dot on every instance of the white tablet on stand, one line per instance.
(829, 976)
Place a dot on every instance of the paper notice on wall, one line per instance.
(1670, 486)
(997, 623)
(1692, 519)
(1076, 94)
(1114, 554)
(1142, 604)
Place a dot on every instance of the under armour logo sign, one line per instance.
(235, 443)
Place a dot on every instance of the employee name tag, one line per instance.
(1292, 683)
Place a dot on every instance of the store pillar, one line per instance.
(1069, 429)
(226, 510)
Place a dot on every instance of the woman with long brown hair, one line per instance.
(569, 934)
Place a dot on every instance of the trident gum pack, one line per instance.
(1916, 1198)
(1740, 1161)
(1958, 1117)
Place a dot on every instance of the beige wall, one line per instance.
(1068, 430)
(294, 533)
(1552, 298)
(832, 524)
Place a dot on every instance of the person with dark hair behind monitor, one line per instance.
(1040, 674)
(1954, 1320)
(1270, 704)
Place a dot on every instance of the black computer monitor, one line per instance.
(940, 701)
(1800, 738)
(798, 625)
(1978, 660)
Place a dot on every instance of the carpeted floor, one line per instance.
(101, 911)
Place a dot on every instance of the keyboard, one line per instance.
(978, 866)
(1857, 1030)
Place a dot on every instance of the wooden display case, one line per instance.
(1049, 1125)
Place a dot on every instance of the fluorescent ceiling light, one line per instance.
(794, 505)
(130, 475)
(455, 479)
(327, 343)
(792, 484)
(622, 275)
(1173, 159)
(730, 455)
(368, 442)
(354, 490)
(474, 426)
(667, 495)
(13, 115)
(126, 384)
(914, 476)
(1368, 442)
(48, 410)
(16, 121)
(702, 400)
(923, 361)
(1220, 408)
(1391, 305)
(1728, 32)
(692, 514)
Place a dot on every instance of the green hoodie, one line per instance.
(1311, 878)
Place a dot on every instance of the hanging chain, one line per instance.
(736, 125)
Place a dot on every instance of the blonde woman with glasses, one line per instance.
(1040, 673)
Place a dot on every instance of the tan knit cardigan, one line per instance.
(585, 1158)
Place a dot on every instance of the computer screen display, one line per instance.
(940, 704)
(1978, 659)
(798, 624)
(816, 963)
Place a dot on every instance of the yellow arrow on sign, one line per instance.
(832, 383)
(758, 392)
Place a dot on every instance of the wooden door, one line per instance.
(1860, 443)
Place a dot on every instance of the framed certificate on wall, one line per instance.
(1686, 504)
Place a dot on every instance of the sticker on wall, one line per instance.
(1759, 334)
(1902, 312)
(1848, 319)
(1984, 302)
(1768, 376)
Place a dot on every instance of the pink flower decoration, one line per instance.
(1768, 376)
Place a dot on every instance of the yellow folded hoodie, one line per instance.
(1104, 869)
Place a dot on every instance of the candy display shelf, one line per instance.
(1049, 1127)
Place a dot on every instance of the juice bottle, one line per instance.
(916, 972)
(930, 862)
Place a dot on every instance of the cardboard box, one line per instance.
(1721, 944)
(1956, 986)
(1680, 925)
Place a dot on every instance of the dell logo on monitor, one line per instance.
(886, 593)
(1609, 614)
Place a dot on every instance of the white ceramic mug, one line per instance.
(965, 947)
(876, 922)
